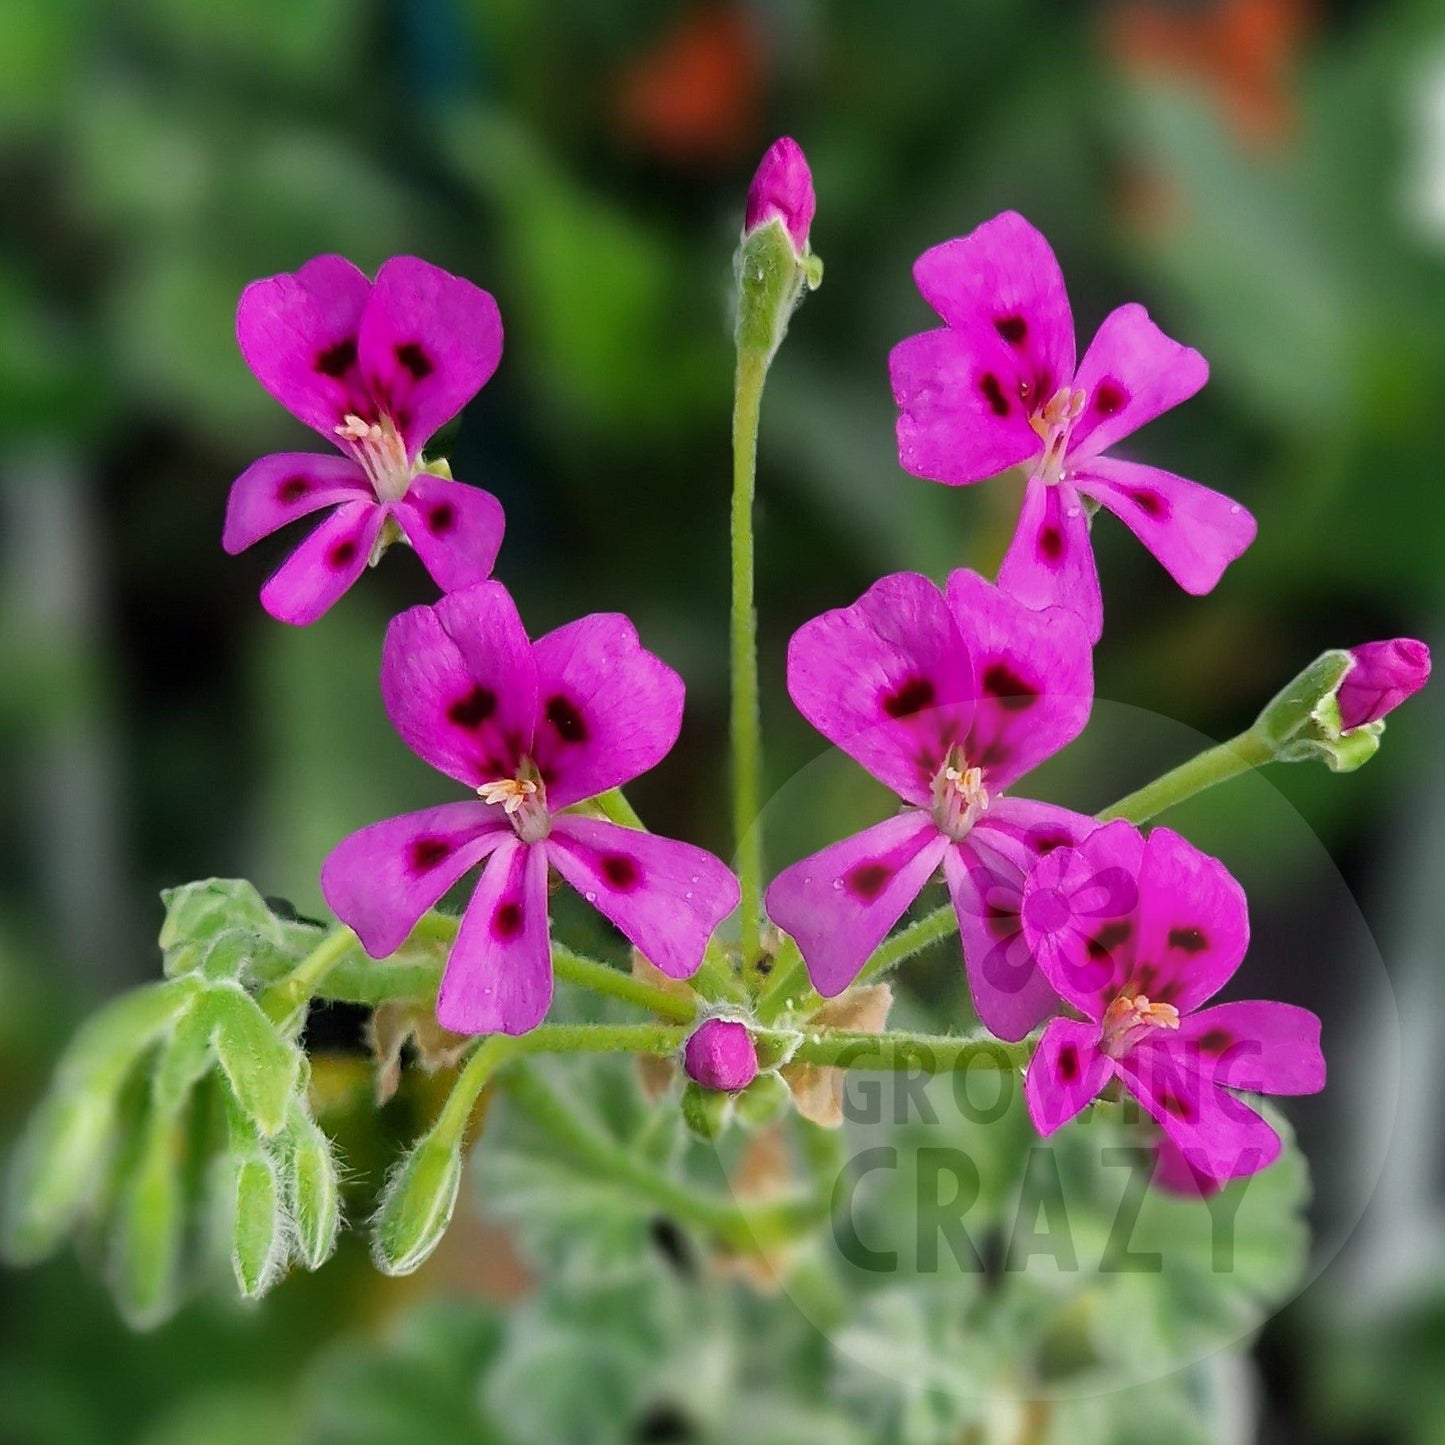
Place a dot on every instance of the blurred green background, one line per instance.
(1268, 176)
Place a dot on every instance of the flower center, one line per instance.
(1130, 1018)
(524, 800)
(959, 796)
(381, 452)
(1054, 421)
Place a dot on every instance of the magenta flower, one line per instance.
(533, 728)
(1382, 676)
(783, 187)
(996, 387)
(1137, 935)
(720, 1054)
(377, 369)
(948, 701)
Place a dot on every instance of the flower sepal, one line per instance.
(1302, 722)
(772, 277)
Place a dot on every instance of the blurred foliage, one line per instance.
(587, 164)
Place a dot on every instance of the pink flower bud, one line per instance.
(1383, 676)
(783, 187)
(720, 1055)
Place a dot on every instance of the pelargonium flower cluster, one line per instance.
(948, 695)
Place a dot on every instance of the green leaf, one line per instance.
(224, 928)
(147, 1234)
(60, 1162)
(263, 1069)
(313, 1193)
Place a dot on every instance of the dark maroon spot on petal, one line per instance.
(1110, 398)
(1043, 843)
(1012, 692)
(1144, 976)
(426, 853)
(1189, 940)
(867, 880)
(566, 719)
(995, 755)
(1001, 922)
(911, 697)
(993, 394)
(341, 555)
(441, 519)
(621, 872)
(1051, 545)
(401, 419)
(1174, 1104)
(1013, 329)
(1216, 1041)
(292, 490)
(474, 709)
(507, 921)
(415, 360)
(1151, 503)
(337, 360)
(1111, 936)
(1068, 1063)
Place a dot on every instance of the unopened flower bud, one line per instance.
(149, 1229)
(1382, 675)
(783, 187)
(720, 1055)
(258, 1227)
(417, 1205)
(313, 1194)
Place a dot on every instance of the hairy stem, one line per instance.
(745, 724)
(284, 998)
(1215, 765)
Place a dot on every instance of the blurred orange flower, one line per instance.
(1242, 52)
(694, 95)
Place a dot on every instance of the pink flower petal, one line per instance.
(888, 680)
(960, 417)
(1002, 283)
(1034, 676)
(1176, 1175)
(381, 880)
(607, 709)
(666, 897)
(1079, 913)
(429, 342)
(1193, 531)
(455, 529)
(1130, 374)
(306, 584)
(1381, 676)
(783, 187)
(498, 978)
(1050, 562)
(1258, 1046)
(1009, 993)
(840, 903)
(986, 875)
(459, 684)
(298, 332)
(1065, 1074)
(1193, 924)
(278, 489)
(1220, 1136)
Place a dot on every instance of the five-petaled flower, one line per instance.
(997, 387)
(377, 368)
(1138, 963)
(947, 700)
(534, 728)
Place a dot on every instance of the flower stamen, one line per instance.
(1132, 1017)
(381, 452)
(959, 795)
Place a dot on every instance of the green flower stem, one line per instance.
(1251, 749)
(909, 941)
(746, 727)
(787, 980)
(930, 1053)
(735, 1225)
(287, 996)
